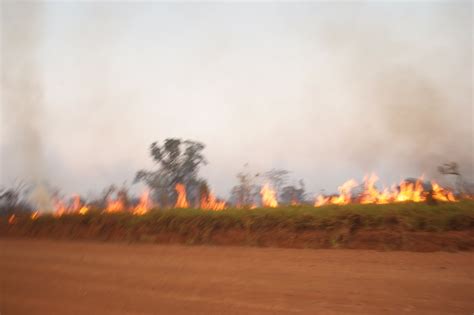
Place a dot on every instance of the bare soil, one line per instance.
(61, 277)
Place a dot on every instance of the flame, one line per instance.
(370, 194)
(211, 203)
(343, 198)
(441, 194)
(115, 206)
(181, 202)
(11, 219)
(268, 197)
(321, 201)
(404, 192)
(144, 205)
(34, 215)
(83, 210)
(410, 192)
(59, 207)
(77, 206)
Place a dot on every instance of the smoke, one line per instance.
(325, 90)
(412, 95)
(22, 96)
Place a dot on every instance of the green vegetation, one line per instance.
(296, 226)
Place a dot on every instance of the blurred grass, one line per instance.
(407, 216)
(409, 226)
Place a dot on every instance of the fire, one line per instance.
(268, 197)
(77, 206)
(441, 194)
(11, 219)
(370, 195)
(181, 202)
(34, 215)
(59, 207)
(83, 210)
(410, 192)
(144, 205)
(321, 201)
(211, 203)
(404, 192)
(115, 206)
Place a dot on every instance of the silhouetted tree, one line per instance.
(452, 168)
(277, 178)
(13, 199)
(178, 162)
(293, 195)
(245, 192)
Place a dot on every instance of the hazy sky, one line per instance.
(326, 90)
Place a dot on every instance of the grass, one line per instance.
(256, 226)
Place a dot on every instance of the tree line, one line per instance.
(178, 161)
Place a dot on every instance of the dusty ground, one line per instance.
(47, 277)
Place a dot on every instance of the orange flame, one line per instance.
(321, 201)
(115, 206)
(181, 202)
(441, 194)
(11, 219)
(77, 206)
(406, 191)
(211, 203)
(268, 197)
(34, 215)
(144, 205)
(59, 207)
(83, 210)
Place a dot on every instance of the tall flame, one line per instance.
(181, 202)
(268, 197)
(144, 205)
(59, 207)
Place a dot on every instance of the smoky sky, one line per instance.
(329, 91)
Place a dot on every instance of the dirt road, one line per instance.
(46, 277)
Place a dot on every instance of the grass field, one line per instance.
(412, 226)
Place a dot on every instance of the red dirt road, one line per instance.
(47, 277)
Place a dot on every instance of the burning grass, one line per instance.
(392, 226)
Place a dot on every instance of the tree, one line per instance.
(13, 199)
(293, 195)
(178, 162)
(452, 168)
(277, 178)
(244, 193)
